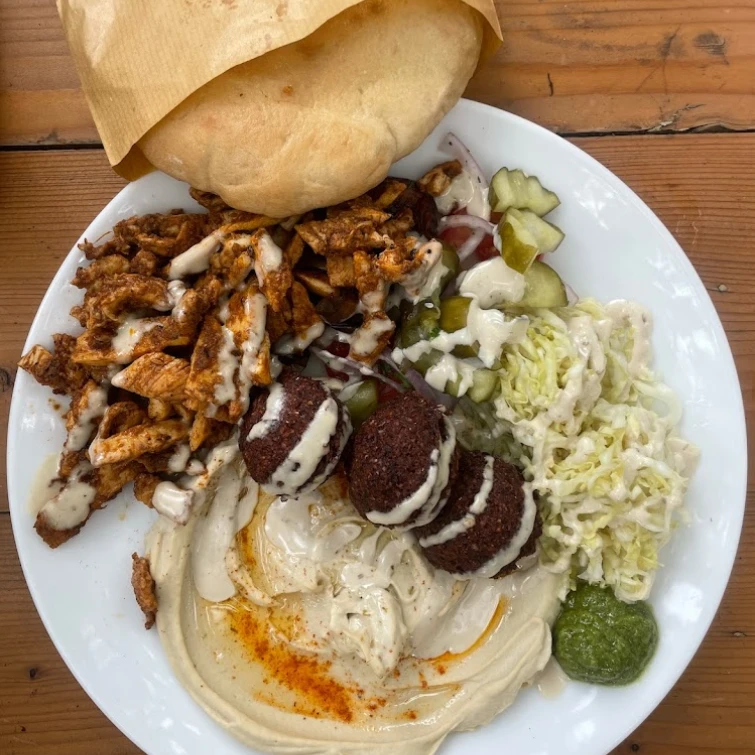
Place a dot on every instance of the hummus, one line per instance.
(302, 628)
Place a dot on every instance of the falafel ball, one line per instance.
(489, 522)
(403, 462)
(293, 435)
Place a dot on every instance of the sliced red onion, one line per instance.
(468, 247)
(352, 367)
(467, 221)
(427, 391)
(457, 149)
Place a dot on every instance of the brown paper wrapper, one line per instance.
(139, 59)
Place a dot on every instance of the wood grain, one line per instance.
(631, 65)
(580, 66)
(702, 187)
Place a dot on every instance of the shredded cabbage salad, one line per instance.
(596, 432)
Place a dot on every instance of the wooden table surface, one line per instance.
(633, 82)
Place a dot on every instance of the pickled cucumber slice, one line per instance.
(547, 236)
(420, 322)
(465, 351)
(544, 289)
(484, 385)
(364, 401)
(450, 260)
(513, 188)
(453, 313)
(426, 361)
(518, 244)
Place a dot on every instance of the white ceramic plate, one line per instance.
(615, 248)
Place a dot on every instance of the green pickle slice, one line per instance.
(546, 236)
(364, 401)
(544, 288)
(518, 245)
(419, 322)
(453, 313)
(514, 188)
(450, 260)
(483, 388)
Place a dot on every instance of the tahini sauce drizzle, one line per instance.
(86, 422)
(479, 504)
(427, 498)
(306, 455)
(511, 550)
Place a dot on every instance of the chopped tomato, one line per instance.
(385, 392)
(457, 236)
(486, 250)
(339, 349)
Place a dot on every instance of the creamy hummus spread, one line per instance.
(302, 628)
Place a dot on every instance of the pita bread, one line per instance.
(321, 120)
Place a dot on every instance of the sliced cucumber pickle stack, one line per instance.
(513, 188)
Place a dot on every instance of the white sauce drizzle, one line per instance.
(70, 507)
(306, 455)
(366, 339)
(215, 531)
(255, 309)
(179, 458)
(273, 407)
(373, 301)
(479, 504)
(424, 280)
(268, 259)
(489, 328)
(293, 344)
(196, 259)
(464, 191)
(511, 551)
(128, 335)
(87, 420)
(369, 592)
(447, 370)
(641, 320)
(228, 364)
(172, 502)
(492, 282)
(176, 292)
(427, 498)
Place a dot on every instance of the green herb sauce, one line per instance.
(599, 639)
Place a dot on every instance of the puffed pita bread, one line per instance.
(321, 120)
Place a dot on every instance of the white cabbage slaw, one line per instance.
(596, 432)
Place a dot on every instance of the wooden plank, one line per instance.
(580, 66)
(635, 65)
(709, 711)
(40, 98)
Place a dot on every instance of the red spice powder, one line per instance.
(318, 694)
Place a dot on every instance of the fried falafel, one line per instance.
(403, 462)
(293, 435)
